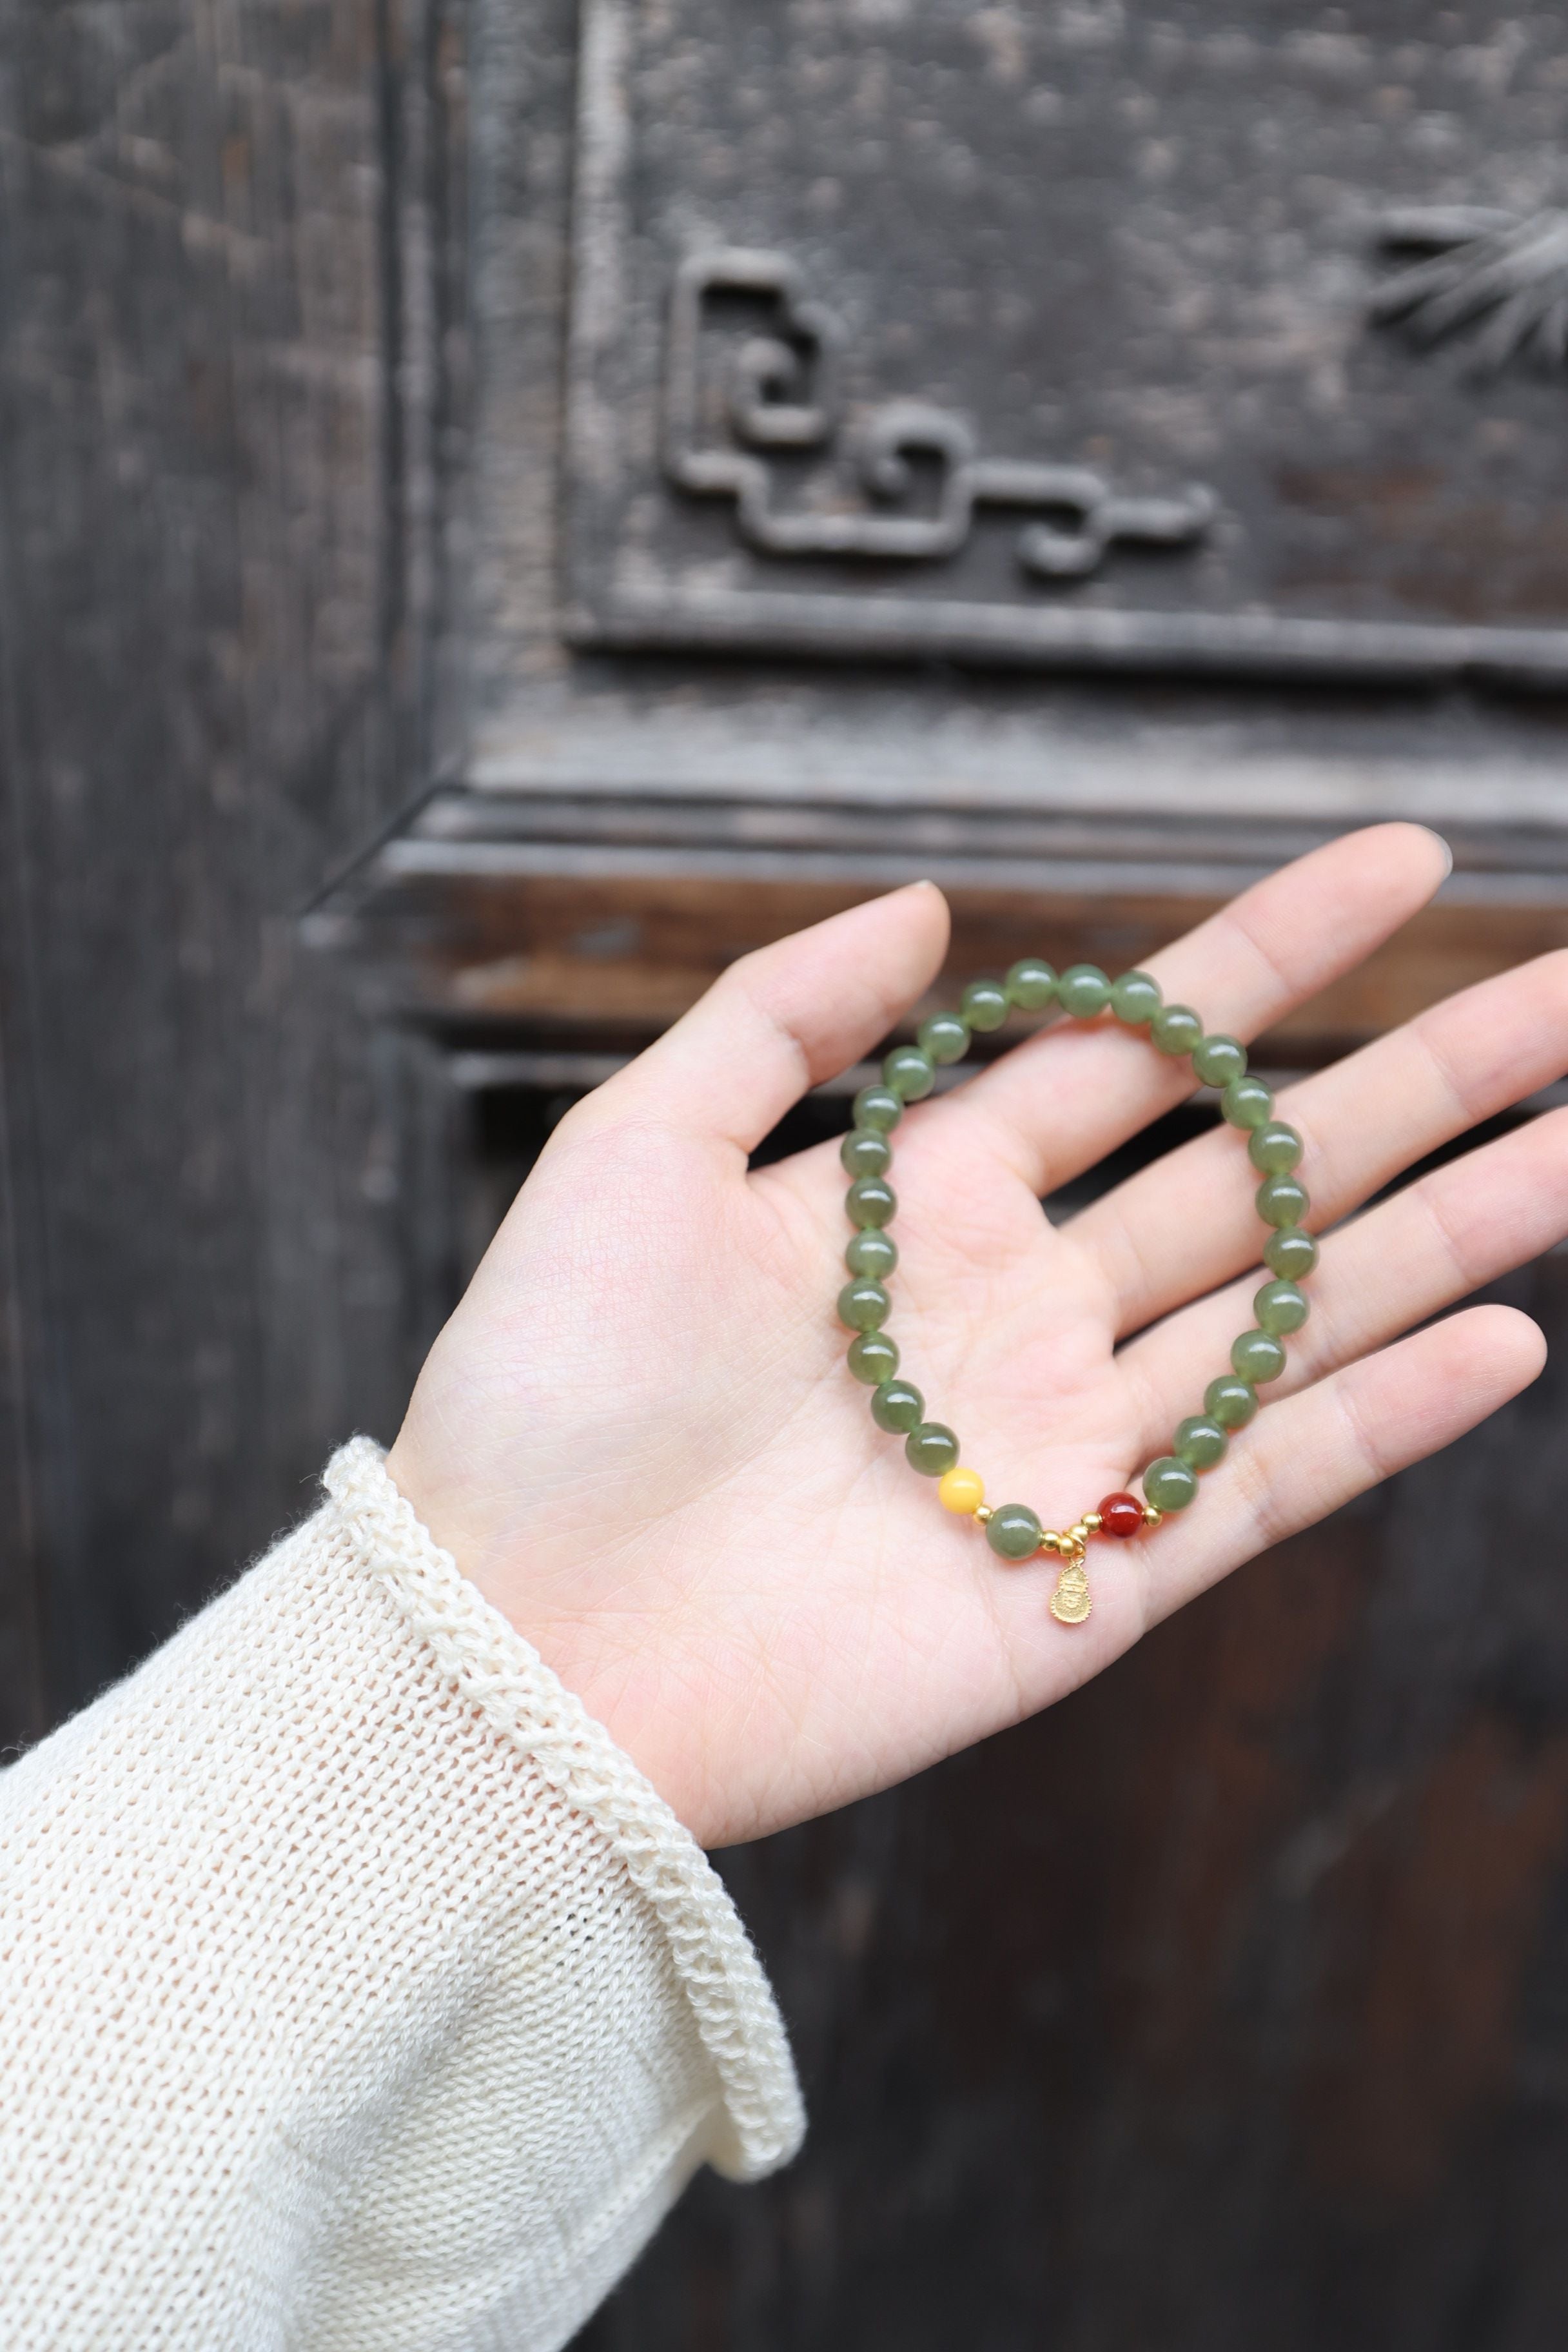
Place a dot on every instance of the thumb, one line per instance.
(784, 1018)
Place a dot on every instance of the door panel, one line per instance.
(451, 606)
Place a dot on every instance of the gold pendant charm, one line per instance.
(1072, 1601)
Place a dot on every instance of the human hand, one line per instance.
(637, 1437)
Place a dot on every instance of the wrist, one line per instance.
(620, 1670)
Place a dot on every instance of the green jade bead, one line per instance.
(1176, 1029)
(873, 1358)
(864, 1152)
(870, 1201)
(1083, 990)
(898, 1405)
(878, 1106)
(1257, 1356)
(1282, 1201)
(871, 1252)
(864, 1305)
(1230, 1400)
(1200, 1441)
(1290, 1253)
(931, 1448)
(1170, 1485)
(1246, 1102)
(1274, 1148)
(909, 1073)
(1013, 1531)
(984, 1005)
(1030, 984)
(1281, 1307)
(1135, 999)
(944, 1037)
(1218, 1060)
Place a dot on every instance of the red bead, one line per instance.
(1121, 1515)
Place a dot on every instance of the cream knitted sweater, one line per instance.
(355, 1991)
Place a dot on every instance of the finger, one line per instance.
(1315, 1451)
(1060, 1102)
(784, 1018)
(1403, 1261)
(1188, 1221)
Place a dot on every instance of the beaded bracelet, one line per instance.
(908, 1073)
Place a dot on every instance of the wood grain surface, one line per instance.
(576, 930)
(1223, 2007)
(212, 691)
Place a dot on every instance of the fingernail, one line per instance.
(1448, 852)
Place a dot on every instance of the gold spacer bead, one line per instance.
(1093, 1522)
(1050, 1540)
(983, 1511)
(1078, 1534)
(1153, 1515)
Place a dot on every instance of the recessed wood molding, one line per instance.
(791, 359)
(606, 917)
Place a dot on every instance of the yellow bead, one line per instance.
(960, 1490)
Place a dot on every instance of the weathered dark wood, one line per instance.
(1221, 2006)
(614, 915)
(24, 1712)
(1043, 337)
(214, 687)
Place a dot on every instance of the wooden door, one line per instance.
(506, 505)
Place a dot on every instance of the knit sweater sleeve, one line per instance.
(356, 1990)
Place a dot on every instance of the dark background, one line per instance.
(1225, 2005)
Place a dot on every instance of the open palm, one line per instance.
(638, 1436)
